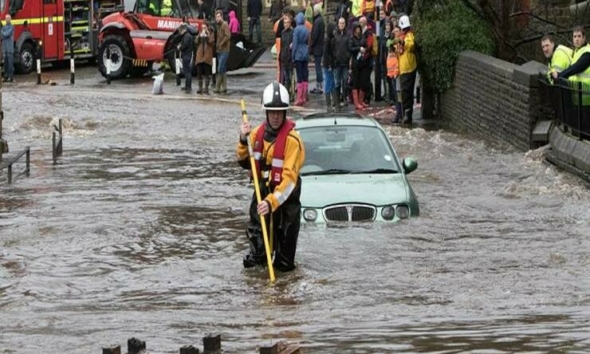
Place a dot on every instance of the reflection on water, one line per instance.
(139, 231)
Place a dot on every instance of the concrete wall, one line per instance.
(494, 99)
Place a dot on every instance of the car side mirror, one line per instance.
(410, 164)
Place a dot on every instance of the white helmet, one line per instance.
(275, 97)
(404, 22)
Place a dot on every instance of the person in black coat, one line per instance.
(316, 47)
(286, 58)
(254, 11)
(186, 47)
(328, 63)
(341, 59)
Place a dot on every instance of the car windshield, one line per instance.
(347, 150)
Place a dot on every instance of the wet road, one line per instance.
(138, 231)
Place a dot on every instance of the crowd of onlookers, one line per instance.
(345, 50)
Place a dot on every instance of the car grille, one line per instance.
(350, 213)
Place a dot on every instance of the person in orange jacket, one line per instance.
(279, 155)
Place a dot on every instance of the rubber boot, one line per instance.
(200, 84)
(206, 88)
(298, 89)
(408, 116)
(355, 99)
(336, 100)
(217, 83)
(289, 89)
(305, 92)
(362, 99)
(329, 102)
(257, 253)
(223, 87)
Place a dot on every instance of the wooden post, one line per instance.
(135, 346)
(189, 350)
(212, 344)
(112, 350)
(177, 65)
(38, 61)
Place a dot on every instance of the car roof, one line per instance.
(324, 119)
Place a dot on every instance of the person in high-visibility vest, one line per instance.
(579, 71)
(278, 154)
(560, 57)
(408, 67)
(166, 8)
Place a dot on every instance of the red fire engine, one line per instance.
(55, 29)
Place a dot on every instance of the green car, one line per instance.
(352, 172)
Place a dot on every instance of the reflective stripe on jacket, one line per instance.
(289, 162)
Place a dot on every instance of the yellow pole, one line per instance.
(271, 271)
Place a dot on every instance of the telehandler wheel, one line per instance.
(120, 57)
(27, 59)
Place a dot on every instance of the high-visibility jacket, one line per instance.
(289, 165)
(583, 77)
(392, 65)
(368, 7)
(561, 58)
(166, 8)
(357, 8)
(407, 55)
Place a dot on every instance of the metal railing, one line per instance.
(8, 163)
(57, 144)
(570, 101)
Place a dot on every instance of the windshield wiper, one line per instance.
(332, 171)
(377, 171)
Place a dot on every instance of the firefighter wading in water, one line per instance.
(279, 155)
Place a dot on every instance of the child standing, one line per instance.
(393, 73)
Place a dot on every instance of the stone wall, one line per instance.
(494, 99)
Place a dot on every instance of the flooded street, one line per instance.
(139, 231)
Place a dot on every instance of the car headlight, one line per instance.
(388, 212)
(310, 214)
(403, 212)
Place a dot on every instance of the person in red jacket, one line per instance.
(279, 154)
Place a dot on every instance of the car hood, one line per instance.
(376, 189)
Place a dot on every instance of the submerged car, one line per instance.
(352, 172)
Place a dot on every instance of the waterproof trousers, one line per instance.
(283, 227)
(187, 70)
(408, 83)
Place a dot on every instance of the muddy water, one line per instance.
(138, 231)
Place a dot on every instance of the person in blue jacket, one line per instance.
(300, 55)
(8, 49)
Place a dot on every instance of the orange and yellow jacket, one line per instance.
(292, 163)
(392, 65)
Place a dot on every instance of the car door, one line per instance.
(52, 24)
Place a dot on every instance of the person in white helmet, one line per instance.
(408, 68)
(279, 155)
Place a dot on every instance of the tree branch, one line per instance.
(528, 13)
